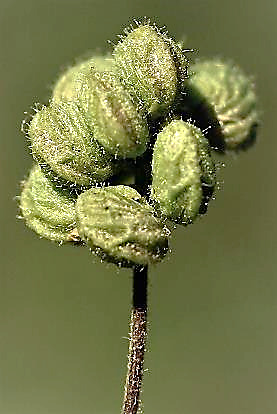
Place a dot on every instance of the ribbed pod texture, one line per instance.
(119, 226)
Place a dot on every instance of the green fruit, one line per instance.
(117, 124)
(74, 80)
(62, 141)
(119, 226)
(181, 167)
(107, 106)
(151, 66)
(47, 210)
(230, 95)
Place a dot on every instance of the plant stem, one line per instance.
(139, 309)
(137, 341)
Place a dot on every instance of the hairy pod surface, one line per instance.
(231, 95)
(116, 121)
(119, 226)
(181, 168)
(73, 83)
(62, 141)
(151, 66)
(47, 210)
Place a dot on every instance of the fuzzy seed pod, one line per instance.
(74, 80)
(151, 66)
(62, 142)
(183, 172)
(117, 123)
(119, 226)
(230, 95)
(47, 210)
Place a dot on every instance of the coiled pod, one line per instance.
(151, 66)
(47, 210)
(230, 95)
(100, 127)
(110, 112)
(117, 123)
(62, 141)
(119, 226)
(74, 80)
(183, 172)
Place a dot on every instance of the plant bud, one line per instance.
(74, 80)
(119, 226)
(151, 66)
(182, 171)
(47, 210)
(230, 95)
(62, 141)
(117, 124)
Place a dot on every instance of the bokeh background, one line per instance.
(212, 345)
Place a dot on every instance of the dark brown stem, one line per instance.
(139, 309)
(137, 341)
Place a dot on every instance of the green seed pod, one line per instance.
(47, 210)
(230, 95)
(117, 123)
(62, 142)
(183, 172)
(74, 80)
(119, 226)
(151, 66)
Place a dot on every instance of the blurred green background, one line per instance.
(212, 345)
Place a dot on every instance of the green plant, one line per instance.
(134, 117)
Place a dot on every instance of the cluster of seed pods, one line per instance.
(144, 105)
